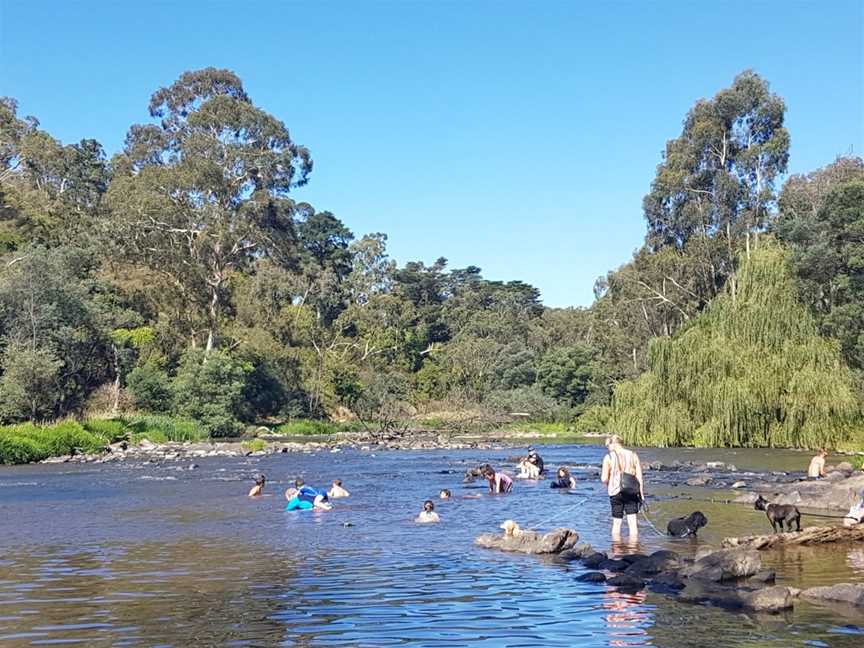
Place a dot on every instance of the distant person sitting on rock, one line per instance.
(563, 479)
(622, 474)
(498, 481)
(816, 469)
(255, 491)
(855, 516)
(535, 459)
(336, 491)
(444, 494)
(428, 514)
(527, 470)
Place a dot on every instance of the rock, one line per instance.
(529, 542)
(766, 576)
(592, 561)
(147, 444)
(845, 467)
(667, 581)
(614, 565)
(659, 561)
(632, 558)
(739, 484)
(592, 577)
(852, 593)
(576, 552)
(789, 498)
(725, 565)
(626, 582)
(769, 599)
(700, 480)
(835, 476)
(746, 498)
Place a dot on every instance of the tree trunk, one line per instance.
(115, 405)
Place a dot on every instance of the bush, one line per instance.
(531, 401)
(209, 388)
(595, 420)
(150, 388)
(28, 442)
(160, 429)
(254, 445)
(112, 430)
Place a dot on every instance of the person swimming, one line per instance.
(528, 470)
(428, 514)
(499, 482)
(336, 491)
(563, 479)
(444, 494)
(255, 491)
(305, 497)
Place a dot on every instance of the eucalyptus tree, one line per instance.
(203, 191)
(716, 180)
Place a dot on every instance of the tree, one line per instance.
(566, 374)
(209, 388)
(717, 179)
(204, 193)
(822, 220)
(749, 371)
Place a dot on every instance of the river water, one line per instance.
(145, 555)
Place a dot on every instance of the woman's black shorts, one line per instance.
(622, 504)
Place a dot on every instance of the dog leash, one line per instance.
(560, 514)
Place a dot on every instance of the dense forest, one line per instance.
(180, 277)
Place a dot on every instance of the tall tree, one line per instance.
(204, 192)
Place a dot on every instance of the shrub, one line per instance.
(112, 430)
(531, 401)
(160, 429)
(595, 420)
(254, 445)
(209, 388)
(150, 388)
(28, 442)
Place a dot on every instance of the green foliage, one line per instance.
(150, 387)
(529, 400)
(566, 374)
(594, 421)
(749, 371)
(254, 445)
(308, 428)
(112, 430)
(160, 429)
(27, 442)
(209, 389)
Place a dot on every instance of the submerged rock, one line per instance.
(725, 565)
(852, 593)
(593, 560)
(769, 599)
(529, 542)
(626, 582)
(592, 577)
(576, 552)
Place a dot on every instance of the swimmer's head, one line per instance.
(291, 493)
(562, 471)
(488, 472)
(337, 482)
(444, 494)
(531, 451)
(259, 480)
(428, 506)
(298, 482)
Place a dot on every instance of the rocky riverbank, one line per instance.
(146, 450)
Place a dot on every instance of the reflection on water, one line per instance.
(125, 556)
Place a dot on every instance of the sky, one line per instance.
(519, 137)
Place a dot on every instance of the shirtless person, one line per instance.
(816, 469)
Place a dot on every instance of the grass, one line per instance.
(28, 442)
(310, 427)
(543, 429)
(254, 445)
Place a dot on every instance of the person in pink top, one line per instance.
(498, 482)
(622, 474)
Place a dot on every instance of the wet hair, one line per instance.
(430, 504)
(298, 482)
(444, 492)
(260, 479)
(337, 482)
(563, 469)
(488, 471)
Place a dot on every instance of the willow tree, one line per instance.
(203, 192)
(749, 371)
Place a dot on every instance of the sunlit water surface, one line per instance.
(143, 555)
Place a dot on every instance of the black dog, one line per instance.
(686, 526)
(778, 514)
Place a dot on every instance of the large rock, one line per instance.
(577, 552)
(592, 577)
(659, 561)
(529, 542)
(769, 599)
(626, 582)
(614, 565)
(852, 593)
(593, 560)
(725, 565)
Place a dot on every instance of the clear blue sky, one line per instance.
(516, 136)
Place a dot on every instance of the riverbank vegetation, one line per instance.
(181, 279)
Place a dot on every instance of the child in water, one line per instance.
(498, 482)
(305, 497)
(336, 491)
(428, 514)
(255, 491)
(563, 479)
(444, 494)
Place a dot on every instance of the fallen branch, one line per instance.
(809, 536)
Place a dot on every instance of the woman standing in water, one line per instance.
(622, 474)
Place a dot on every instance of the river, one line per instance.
(138, 554)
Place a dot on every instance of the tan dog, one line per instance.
(511, 529)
